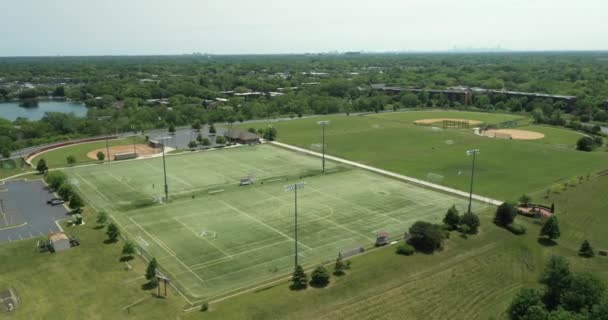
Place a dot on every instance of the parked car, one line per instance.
(56, 202)
(53, 199)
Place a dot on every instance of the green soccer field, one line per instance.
(214, 237)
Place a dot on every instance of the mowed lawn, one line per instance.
(58, 157)
(504, 170)
(221, 238)
(474, 278)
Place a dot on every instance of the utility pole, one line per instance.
(323, 124)
(165, 167)
(474, 154)
(294, 187)
(107, 150)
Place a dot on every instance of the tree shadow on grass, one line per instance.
(98, 227)
(125, 258)
(149, 285)
(110, 241)
(546, 242)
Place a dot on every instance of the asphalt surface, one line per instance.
(25, 210)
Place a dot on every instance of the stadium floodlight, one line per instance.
(164, 166)
(473, 152)
(288, 188)
(323, 124)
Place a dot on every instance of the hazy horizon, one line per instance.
(152, 27)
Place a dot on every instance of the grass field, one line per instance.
(216, 237)
(474, 278)
(11, 167)
(56, 158)
(505, 168)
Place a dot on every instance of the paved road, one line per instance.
(24, 203)
(394, 175)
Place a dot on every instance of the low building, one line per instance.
(125, 155)
(240, 136)
(59, 241)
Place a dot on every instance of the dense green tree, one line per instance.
(299, 279)
(192, 144)
(472, 221)
(171, 128)
(585, 144)
(70, 159)
(151, 273)
(557, 278)
(505, 214)
(551, 228)
(128, 249)
(41, 166)
(205, 142)
(196, 125)
(55, 179)
(523, 301)
(212, 129)
(101, 156)
(586, 250)
(319, 277)
(76, 201)
(102, 217)
(452, 218)
(425, 237)
(113, 232)
(536, 312)
(65, 191)
(340, 266)
(220, 140)
(582, 293)
(270, 133)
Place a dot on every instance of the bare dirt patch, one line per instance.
(513, 134)
(440, 121)
(141, 149)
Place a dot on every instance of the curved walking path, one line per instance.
(393, 174)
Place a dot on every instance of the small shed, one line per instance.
(382, 238)
(240, 136)
(125, 155)
(155, 144)
(59, 241)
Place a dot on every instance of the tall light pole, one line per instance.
(323, 124)
(473, 152)
(294, 187)
(162, 139)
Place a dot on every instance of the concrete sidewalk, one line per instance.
(392, 174)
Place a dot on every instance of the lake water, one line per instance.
(12, 110)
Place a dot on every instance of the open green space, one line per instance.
(473, 278)
(505, 168)
(215, 237)
(11, 167)
(85, 282)
(485, 117)
(56, 158)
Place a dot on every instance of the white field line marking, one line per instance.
(209, 242)
(170, 175)
(353, 204)
(155, 239)
(92, 187)
(170, 251)
(325, 219)
(207, 264)
(242, 164)
(269, 227)
(392, 174)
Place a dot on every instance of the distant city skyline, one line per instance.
(153, 27)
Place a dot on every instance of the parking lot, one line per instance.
(25, 213)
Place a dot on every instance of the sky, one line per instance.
(148, 27)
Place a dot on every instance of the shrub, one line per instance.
(505, 214)
(101, 156)
(205, 306)
(220, 140)
(585, 144)
(516, 228)
(319, 277)
(586, 250)
(472, 221)
(452, 218)
(405, 249)
(55, 179)
(425, 236)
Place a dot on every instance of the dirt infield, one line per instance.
(141, 149)
(514, 134)
(440, 120)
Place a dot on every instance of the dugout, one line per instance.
(155, 144)
(59, 241)
(125, 155)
